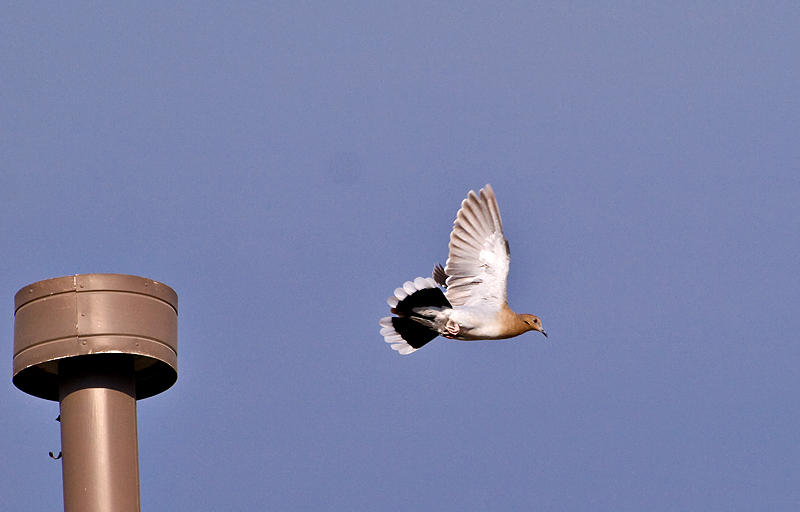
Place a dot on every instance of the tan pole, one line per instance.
(97, 343)
(98, 434)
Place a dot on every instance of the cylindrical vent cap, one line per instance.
(88, 314)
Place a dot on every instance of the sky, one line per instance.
(285, 166)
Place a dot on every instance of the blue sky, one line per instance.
(284, 167)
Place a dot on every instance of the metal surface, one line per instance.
(98, 433)
(95, 314)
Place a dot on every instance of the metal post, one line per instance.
(97, 343)
(98, 434)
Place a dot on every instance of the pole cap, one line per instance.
(89, 314)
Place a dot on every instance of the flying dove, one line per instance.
(474, 305)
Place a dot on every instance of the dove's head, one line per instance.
(533, 323)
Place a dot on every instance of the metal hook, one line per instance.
(59, 453)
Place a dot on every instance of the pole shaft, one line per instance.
(98, 434)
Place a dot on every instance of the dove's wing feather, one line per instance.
(477, 265)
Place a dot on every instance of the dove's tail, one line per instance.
(419, 305)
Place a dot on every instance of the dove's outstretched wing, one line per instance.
(477, 265)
